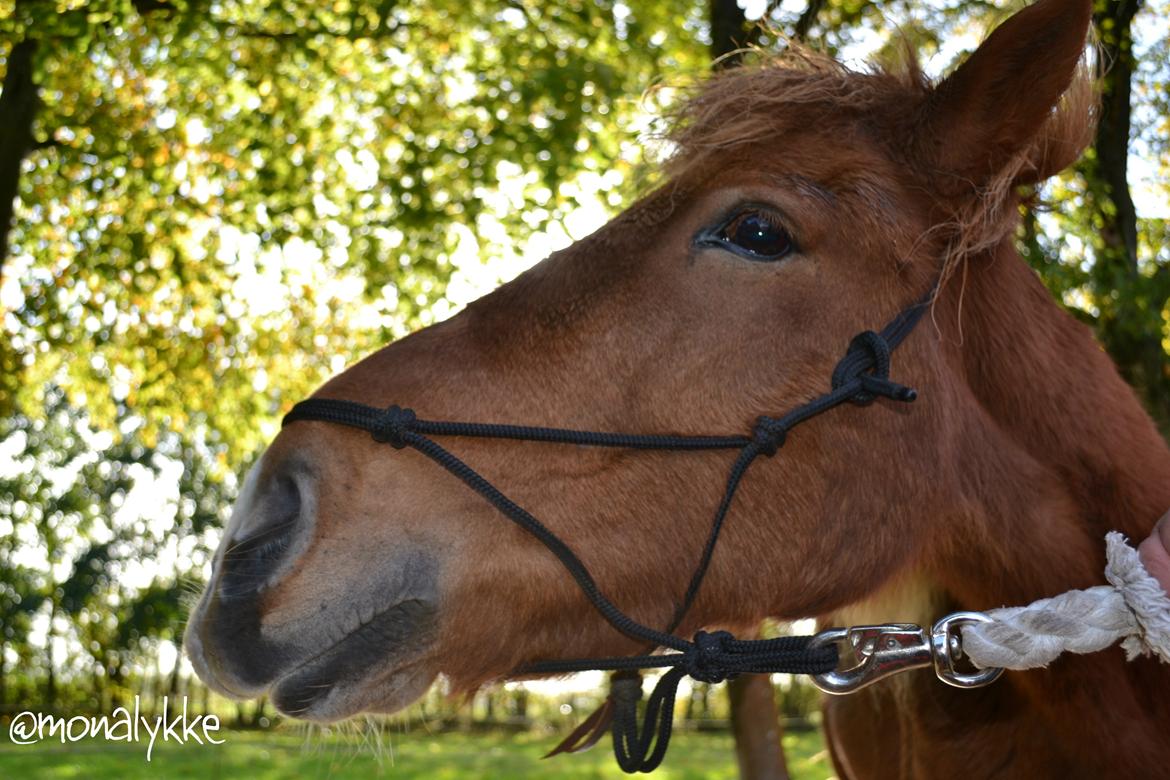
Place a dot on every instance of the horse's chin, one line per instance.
(302, 695)
(380, 666)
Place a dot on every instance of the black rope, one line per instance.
(860, 377)
(386, 424)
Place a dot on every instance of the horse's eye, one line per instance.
(758, 234)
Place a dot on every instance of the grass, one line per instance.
(345, 754)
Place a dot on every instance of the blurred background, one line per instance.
(207, 208)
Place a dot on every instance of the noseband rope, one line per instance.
(860, 377)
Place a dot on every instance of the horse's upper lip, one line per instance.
(193, 645)
(392, 640)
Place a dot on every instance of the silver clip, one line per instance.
(947, 644)
(872, 653)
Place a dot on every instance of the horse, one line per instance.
(803, 201)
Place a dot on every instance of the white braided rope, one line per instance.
(1132, 607)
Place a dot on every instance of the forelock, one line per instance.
(758, 102)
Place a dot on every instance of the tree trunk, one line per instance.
(176, 676)
(807, 19)
(1119, 230)
(51, 679)
(3, 675)
(117, 674)
(1131, 328)
(522, 704)
(756, 726)
(98, 683)
(729, 32)
(18, 109)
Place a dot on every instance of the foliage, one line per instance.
(248, 196)
(191, 152)
(72, 545)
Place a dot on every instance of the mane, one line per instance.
(749, 104)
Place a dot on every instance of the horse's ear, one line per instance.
(992, 112)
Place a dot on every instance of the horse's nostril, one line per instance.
(282, 502)
(252, 559)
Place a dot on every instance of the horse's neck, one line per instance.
(1057, 450)
(1054, 450)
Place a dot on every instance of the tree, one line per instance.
(170, 154)
(20, 599)
(73, 549)
(1132, 285)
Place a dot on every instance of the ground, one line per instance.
(293, 753)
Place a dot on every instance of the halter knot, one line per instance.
(769, 435)
(868, 362)
(390, 426)
(706, 660)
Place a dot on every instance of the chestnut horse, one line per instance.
(804, 203)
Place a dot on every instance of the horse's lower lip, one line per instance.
(392, 641)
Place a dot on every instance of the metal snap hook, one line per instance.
(947, 645)
(879, 651)
(873, 653)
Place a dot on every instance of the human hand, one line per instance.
(1155, 553)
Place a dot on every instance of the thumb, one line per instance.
(1154, 553)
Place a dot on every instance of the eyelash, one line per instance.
(772, 220)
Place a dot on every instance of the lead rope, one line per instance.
(1133, 607)
(860, 377)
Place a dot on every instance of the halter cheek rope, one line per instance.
(860, 377)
